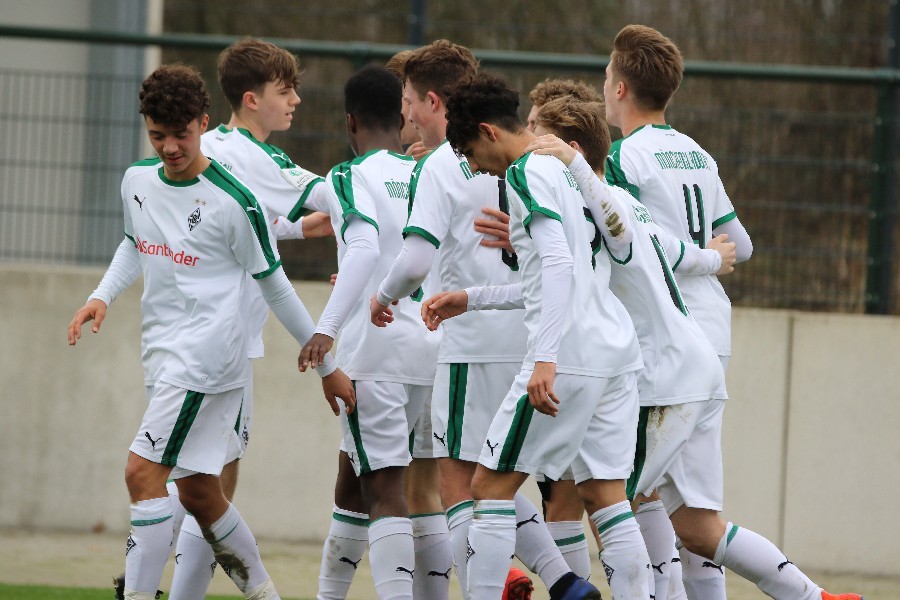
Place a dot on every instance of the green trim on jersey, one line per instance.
(640, 453)
(722, 220)
(353, 423)
(459, 507)
(221, 178)
(342, 180)
(626, 260)
(669, 277)
(276, 154)
(298, 209)
(459, 377)
(680, 256)
(350, 520)
(515, 176)
(132, 239)
(400, 156)
(173, 183)
(512, 447)
(414, 181)
(423, 233)
(144, 522)
(614, 173)
(147, 162)
(606, 525)
(186, 417)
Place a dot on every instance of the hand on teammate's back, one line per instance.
(721, 245)
(94, 310)
(497, 225)
(552, 145)
(443, 306)
(338, 385)
(317, 225)
(417, 150)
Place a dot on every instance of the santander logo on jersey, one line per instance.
(179, 258)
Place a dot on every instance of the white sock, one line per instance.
(235, 549)
(434, 561)
(195, 563)
(756, 559)
(624, 555)
(659, 537)
(343, 549)
(492, 541)
(148, 546)
(676, 585)
(703, 579)
(534, 545)
(459, 519)
(392, 558)
(178, 511)
(569, 538)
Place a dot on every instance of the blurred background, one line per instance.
(792, 98)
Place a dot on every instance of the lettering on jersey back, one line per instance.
(397, 189)
(687, 161)
(571, 180)
(467, 171)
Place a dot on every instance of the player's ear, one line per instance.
(435, 100)
(204, 123)
(487, 130)
(351, 123)
(249, 100)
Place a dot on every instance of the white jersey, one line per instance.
(445, 199)
(598, 338)
(680, 365)
(678, 182)
(266, 170)
(197, 240)
(375, 187)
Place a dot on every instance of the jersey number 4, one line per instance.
(696, 216)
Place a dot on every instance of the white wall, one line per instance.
(811, 451)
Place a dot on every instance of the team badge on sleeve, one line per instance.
(299, 177)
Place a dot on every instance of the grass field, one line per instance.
(43, 592)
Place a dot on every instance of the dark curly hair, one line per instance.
(174, 95)
(486, 98)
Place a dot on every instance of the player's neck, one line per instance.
(633, 119)
(240, 122)
(378, 140)
(197, 166)
(434, 135)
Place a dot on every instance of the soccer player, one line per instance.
(551, 89)
(259, 81)
(678, 182)
(679, 364)
(196, 231)
(392, 369)
(479, 356)
(574, 403)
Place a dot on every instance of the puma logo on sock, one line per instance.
(405, 570)
(659, 568)
(712, 565)
(344, 559)
(533, 519)
(445, 574)
(784, 564)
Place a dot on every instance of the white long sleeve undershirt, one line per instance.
(743, 246)
(609, 211)
(354, 272)
(409, 270)
(123, 270)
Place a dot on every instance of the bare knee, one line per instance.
(145, 479)
(563, 502)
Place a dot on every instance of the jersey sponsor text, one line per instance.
(179, 258)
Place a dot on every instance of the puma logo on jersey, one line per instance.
(533, 519)
(344, 559)
(140, 202)
(713, 565)
(659, 568)
(405, 570)
(252, 209)
(784, 564)
(152, 441)
(445, 574)
(282, 156)
(440, 439)
(194, 219)
(340, 174)
(488, 442)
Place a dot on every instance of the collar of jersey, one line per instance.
(173, 183)
(246, 132)
(665, 127)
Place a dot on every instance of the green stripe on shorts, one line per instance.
(512, 447)
(353, 421)
(459, 375)
(640, 454)
(189, 410)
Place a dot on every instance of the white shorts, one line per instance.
(377, 434)
(680, 454)
(594, 431)
(189, 431)
(237, 447)
(421, 441)
(466, 397)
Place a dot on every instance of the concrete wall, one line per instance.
(811, 451)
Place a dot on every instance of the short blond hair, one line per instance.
(649, 63)
(573, 120)
(550, 89)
